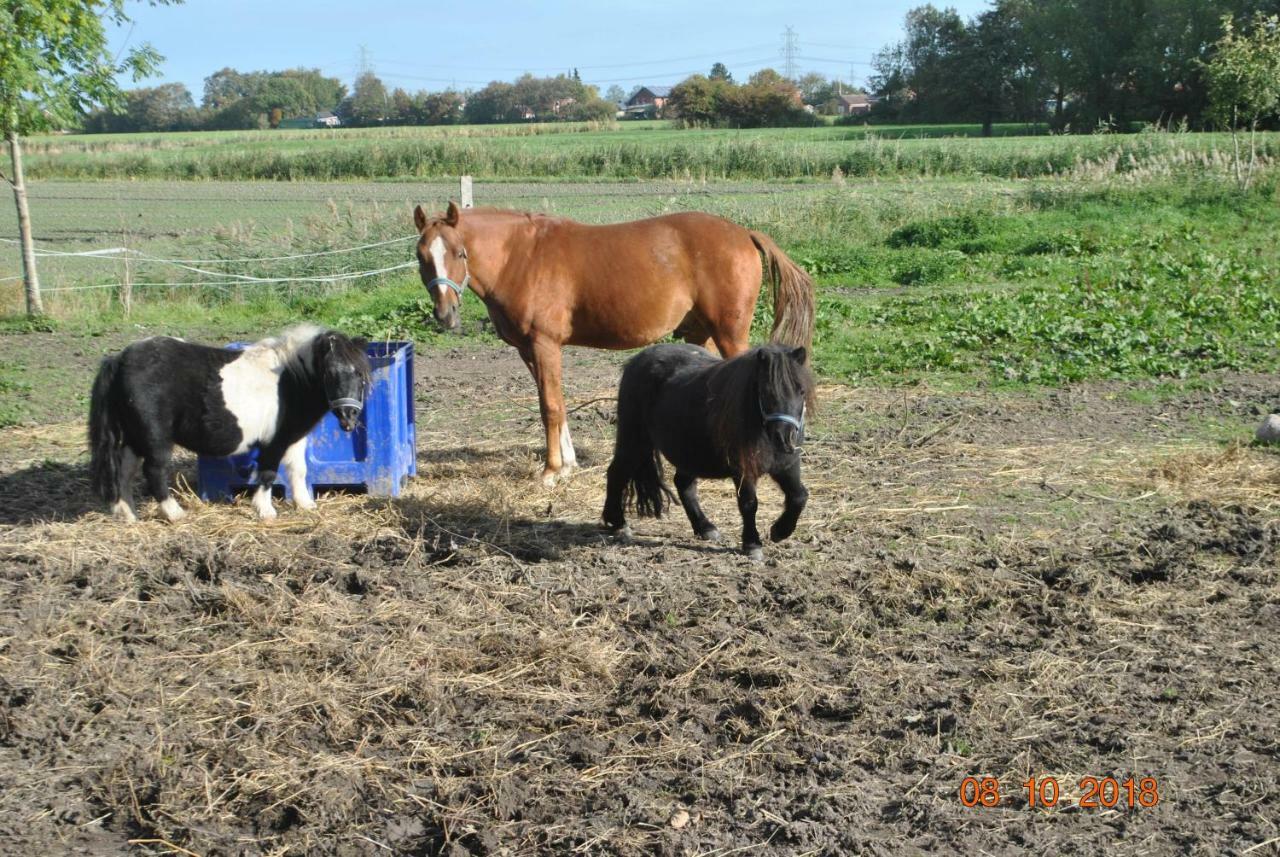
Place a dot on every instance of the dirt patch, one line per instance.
(992, 585)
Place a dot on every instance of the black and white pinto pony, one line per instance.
(164, 391)
(712, 418)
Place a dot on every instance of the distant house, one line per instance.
(647, 102)
(326, 119)
(854, 103)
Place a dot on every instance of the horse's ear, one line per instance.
(419, 217)
(452, 213)
(361, 343)
(799, 355)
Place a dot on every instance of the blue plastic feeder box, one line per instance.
(377, 457)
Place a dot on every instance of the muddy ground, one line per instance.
(1068, 583)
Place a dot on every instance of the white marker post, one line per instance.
(467, 200)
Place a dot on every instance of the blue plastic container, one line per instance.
(377, 457)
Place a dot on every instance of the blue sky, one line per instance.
(431, 45)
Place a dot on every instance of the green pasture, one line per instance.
(617, 151)
(1150, 264)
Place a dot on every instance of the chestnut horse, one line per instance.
(549, 282)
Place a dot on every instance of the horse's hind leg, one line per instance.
(156, 470)
(687, 489)
(747, 505)
(123, 509)
(614, 515)
(796, 497)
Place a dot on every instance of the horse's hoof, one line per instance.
(172, 511)
(308, 505)
(623, 535)
(711, 535)
(122, 513)
(755, 554)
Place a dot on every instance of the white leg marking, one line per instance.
(122, 512)
(172, 510)
(262, 503)
(295, 467)
(129, 464)
(568, 457)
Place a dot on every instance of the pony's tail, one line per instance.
(637, 464)
(106, 438)
(793, 300)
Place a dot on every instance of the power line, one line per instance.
(789, 53)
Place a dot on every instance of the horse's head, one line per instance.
(784, 386)
(442, 263)
(344, 371)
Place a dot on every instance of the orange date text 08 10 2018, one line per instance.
(1095, 792)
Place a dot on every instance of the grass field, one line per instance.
(1038, 541)
(620, 152)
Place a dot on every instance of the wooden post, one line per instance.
(467, 200)
(126, 285)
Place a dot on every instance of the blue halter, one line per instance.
(346, 403)
(795, 422)
(458, 288)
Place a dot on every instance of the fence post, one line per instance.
(467, 200)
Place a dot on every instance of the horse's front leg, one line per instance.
(156, 470)
(747, 505)
(543, 358)
(268, 467)
(687, 490)
(295, 468)
(796, 496)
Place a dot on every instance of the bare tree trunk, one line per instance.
(30, 278)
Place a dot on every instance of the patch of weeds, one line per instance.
(943, 231)
(13, 392)
(27, 324)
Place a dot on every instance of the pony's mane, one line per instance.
(737, 424)
(291, 349)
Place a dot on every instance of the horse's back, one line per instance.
(657, 365)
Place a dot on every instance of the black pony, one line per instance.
(712, 418)
(163, 391)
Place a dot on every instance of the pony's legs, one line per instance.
(123, 509)
(543, 359)
(747, 505)
(616, 485)
(796, 497)
(295, 467)
(156, 470)
(687, 489)
(268, 467)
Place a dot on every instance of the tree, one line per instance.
(1244, 84)
(368, 100)
(55, 63)
(720, 71)
(616, 94)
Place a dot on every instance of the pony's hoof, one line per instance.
(307, 505)
(622, 535)
(122, 513)
(755, 554)
(172, 511)
(711, 535)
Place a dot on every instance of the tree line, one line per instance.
(264, 99)
(1078, 64)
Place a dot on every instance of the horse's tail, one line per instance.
(793, 300)
(637, 464)
(106, 435)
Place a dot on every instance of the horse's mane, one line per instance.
(291, 349)
(737, 423)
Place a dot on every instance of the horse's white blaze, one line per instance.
(437, 250)
(295, 465)
(172, 510)
(249, 389)
(262, 502)
(568, 457)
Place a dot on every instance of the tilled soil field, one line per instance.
(1069, 584)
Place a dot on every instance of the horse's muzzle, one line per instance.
(348, 417)
(448, 320)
